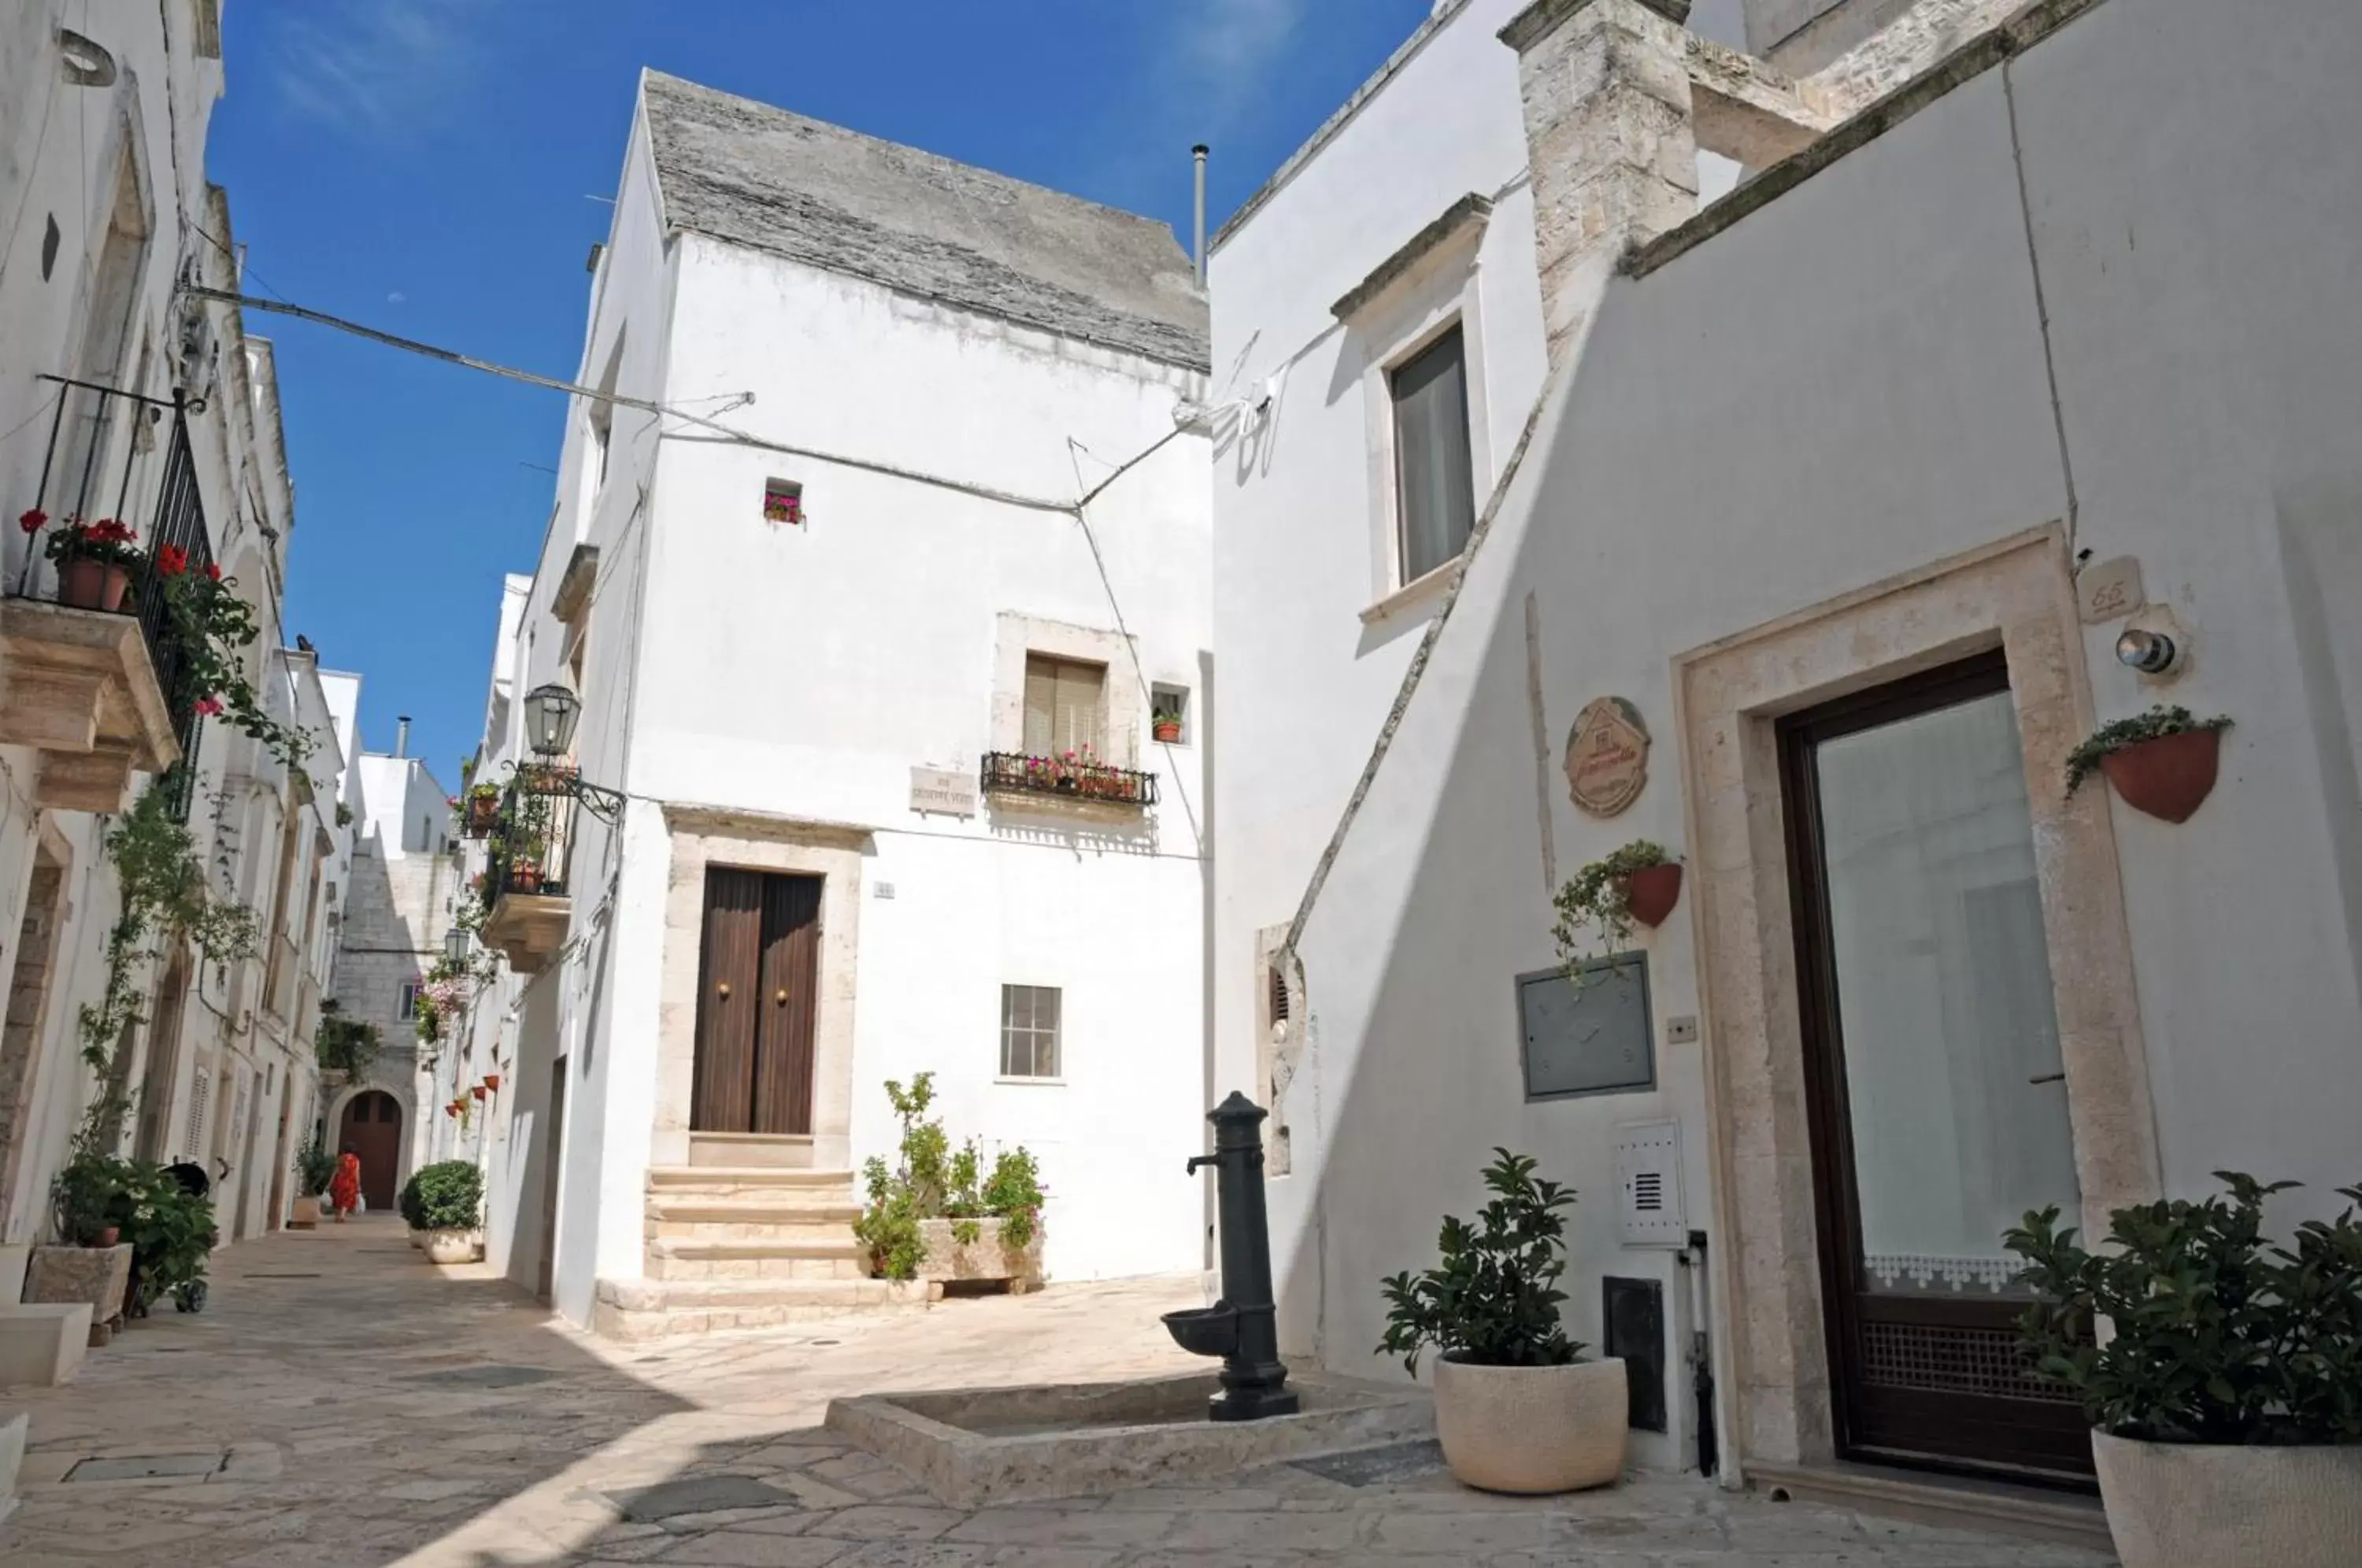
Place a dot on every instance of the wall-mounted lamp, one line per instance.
(2151, 653)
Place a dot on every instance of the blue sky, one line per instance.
(424, 166)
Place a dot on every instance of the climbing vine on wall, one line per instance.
(165, 893)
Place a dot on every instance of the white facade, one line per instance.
(764, 691)
(1862, 418)
(101, 140)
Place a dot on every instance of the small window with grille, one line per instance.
(1028, 1032)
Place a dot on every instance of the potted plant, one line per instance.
(1165, 724)
(172, 1233)
(937, 1216)
(94, 562)
(525, 875)
(84, 1196)
(2226, 1403)
(2162, 761)
(446, 1200)
(1515, 1407)
(1639, 883)
(315, 1167)
(483, 810)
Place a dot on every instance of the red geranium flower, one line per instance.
(32, 519)
(213, 571)
(209, 706)
(171, 560)
(107, 531)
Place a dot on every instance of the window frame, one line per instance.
(1033, 1032)
(405, 1004)
(1399, 497)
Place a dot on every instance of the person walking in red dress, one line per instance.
(345, 1187)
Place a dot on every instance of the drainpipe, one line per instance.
(1198, 252)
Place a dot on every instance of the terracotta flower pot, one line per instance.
(2226, 1506)
(1650, 893)
(87, 584)
(2168, 778)
(1533, 1429)
(526, 882)
(1167, 732)
(484, 815)
(107, 1236)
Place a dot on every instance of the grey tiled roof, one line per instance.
(758, 176)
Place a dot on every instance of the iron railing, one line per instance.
(69, 479)
(1065, 778)
(531, 849)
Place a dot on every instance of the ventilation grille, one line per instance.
(1648, 1184)
(1278, 995)
(1954, 1361)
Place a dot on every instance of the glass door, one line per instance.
(1937, 1104)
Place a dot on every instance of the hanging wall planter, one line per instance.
(1638, 885)
(1652, 892)
(2163, 762)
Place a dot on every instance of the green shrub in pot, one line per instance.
(1517, 1407)
(450, 1196)
(2225, 1392)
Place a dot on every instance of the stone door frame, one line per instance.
(2017, 593)
(755, 841)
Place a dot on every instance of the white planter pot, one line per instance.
(1533, 1429)
(2175, 1504)
(451, 1247)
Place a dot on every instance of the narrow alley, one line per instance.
(341, 1403)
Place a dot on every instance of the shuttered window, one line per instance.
(1435, 485)
(1028, 1032)
(1062, 706)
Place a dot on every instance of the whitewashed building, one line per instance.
(931, 505)
(119, 399)
(1848, 483)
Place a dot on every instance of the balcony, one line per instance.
(528, 899)
(92, 671)
(1067, 781)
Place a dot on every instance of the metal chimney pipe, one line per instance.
(1198, 253)
(401, 734)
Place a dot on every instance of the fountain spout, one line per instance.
(1243, 1327)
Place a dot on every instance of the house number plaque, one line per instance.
(1607, 756)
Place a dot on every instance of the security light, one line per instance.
(2151, 653)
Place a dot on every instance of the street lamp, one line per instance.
(549, 714)
(455, 947)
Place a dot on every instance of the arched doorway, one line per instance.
(372, 1129)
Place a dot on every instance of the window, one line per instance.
(407, 1009)
(783, 502)
(1028, 1032)
(1062, 706)
(1168, 713)
(1435, 487)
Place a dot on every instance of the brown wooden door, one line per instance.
(372, 1131)
(757, 967)
(1934, 1096)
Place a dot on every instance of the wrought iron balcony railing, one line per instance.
(121, 571)
(1065, 779)
(530, 850)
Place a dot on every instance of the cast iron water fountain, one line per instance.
(1241, 1328)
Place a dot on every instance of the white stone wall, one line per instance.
(1682, 489)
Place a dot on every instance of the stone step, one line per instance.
(42, 1343)
(727, 1181)
(641, 1309)
(762, 1258)
(673, 1216)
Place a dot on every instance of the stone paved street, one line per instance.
(342, 1403)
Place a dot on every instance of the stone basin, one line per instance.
(971, 1447)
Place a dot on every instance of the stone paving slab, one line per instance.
(388, 1412)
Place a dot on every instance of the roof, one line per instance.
(758, 176)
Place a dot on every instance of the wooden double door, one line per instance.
(1936, 1097)
(758, 973)
(372, 1131)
